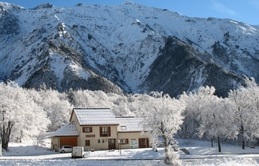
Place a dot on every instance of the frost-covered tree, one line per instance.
(206, 115)
(121, 104)
(56, 105)
(86, 98)
(217, 119)
(189, 128)
(194, 103)
(20, 116)
(245, 102)
(163, 116)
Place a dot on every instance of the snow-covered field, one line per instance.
(200, 154)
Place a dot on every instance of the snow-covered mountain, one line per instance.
(129, 48)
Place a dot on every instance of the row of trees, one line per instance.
(20, 116)
(27, 113)
(234, 117)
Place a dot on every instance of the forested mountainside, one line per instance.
(127, 48)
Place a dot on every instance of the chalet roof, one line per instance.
(66, 130)
(129, 124)
(95, 116)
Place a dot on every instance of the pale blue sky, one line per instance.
(242, 10)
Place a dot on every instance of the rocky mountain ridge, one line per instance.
(127, 48)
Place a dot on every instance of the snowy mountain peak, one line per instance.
(8, 6)
(134, 47)
(43, 6)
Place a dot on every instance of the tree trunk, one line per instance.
(243, 144)
(5, 144)
(166, 145)
(219, 146)
(243, 139)
(167, 157)
(167, 150)
(211, 142)
(6, 132)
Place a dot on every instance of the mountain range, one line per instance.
(127, 48)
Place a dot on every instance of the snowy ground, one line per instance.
(200, 154)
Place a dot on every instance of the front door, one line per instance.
(111, 143)
(143, 142)
(134, 143)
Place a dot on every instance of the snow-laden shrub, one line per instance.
(172, 157)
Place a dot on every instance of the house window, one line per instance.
(124, 141)
(99, 141)
(105, 131)
(87, 129)
(87, 142)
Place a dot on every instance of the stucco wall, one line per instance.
(133, 138)
(55, 143)
(94, 136)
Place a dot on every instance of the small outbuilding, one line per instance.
(66, 135)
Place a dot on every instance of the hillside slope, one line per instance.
(130, 48)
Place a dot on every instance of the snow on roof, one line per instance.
(95, 116)
(66, 130)
(129, 124)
